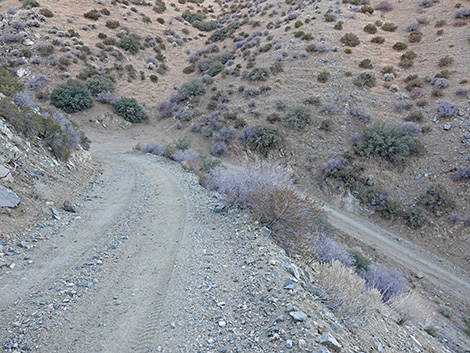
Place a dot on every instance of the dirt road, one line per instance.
(147, 266)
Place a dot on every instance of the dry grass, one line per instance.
(346, 294)
(410, 308)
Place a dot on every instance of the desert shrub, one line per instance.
(160, 6)
(182, 155)
(259, 74)
(400, 46)
(24, 100)
(390, 142)
(338, 25)
(415, 37)
(344, 292)
(361, 262)
(37, 82)
(414, 116)
(365, 64)
(334, 166)
(463, 12)
(350, 40)
(389, 282)
(323, 76)
(268, 192)
(367, 9)
(130, 43)
(370, 28)
(92, 14)
(361, 114)
(328, 250)
(215, 68)
(97, 84)
(239, 185)
(265, 139)
(461, 174)
(380, 201)
(46, 12)
(427, 3)
(446, 61)
(414, 217)
(446, 311)
(129, 109)
(446, 109)
(218, 148)
(9, 83)
(384, 6)
(365, 79)
(153, 148)
(298, 117)
(205, 26)
(112, 24)
(440, 82)
(413, 26)
(191, 89)
(27, 4)
(437, 200)
(328, 108)
(317, 48)
(389, 27)
(410, 308)
(378, 40)
(191, 16)
(72, 97)
(276, 68)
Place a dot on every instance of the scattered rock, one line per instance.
(5, 174)
(8, 198)
(219, 208)
(289, 284)
(330, 342)
(69, 206)
(55, 213)
(265, 231)
(289, 344)
(298, 315)
(447, 126)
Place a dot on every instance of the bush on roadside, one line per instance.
(71, 97)
(389, 282)
(129, 109)
(344, 292)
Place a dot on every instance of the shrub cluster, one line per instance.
(72, 97)
(98, 84)
(264, 139)
(390, 142)
(298, 117)
(129, 109)
(191, 89)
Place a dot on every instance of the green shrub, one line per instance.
(27, 4)
(437, 200)
(191, 89)
(191, 16)
(298, 117)
(215, 68)
(400, 46)
(414, 217)
(323, 76)
(378, 40)
(160, 20)
(367, 9)
(92, 14)
(362, 263)
(72, 97)
(415, 37)
(154, 78)
(265, 139)
(130, 43)
(365, 79)
(45, 50)
(350, 40)
(446, 61)
(205, 26)
(259, 74)
(390, 142)
(9, 83)
(97, 84)
(365, 64)
(159, 7)
(339, 25)
(130, 110)
(446, 311)
(32, 124)
(389, 27)
(46, 12)
(112, 24)
(370, 28)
